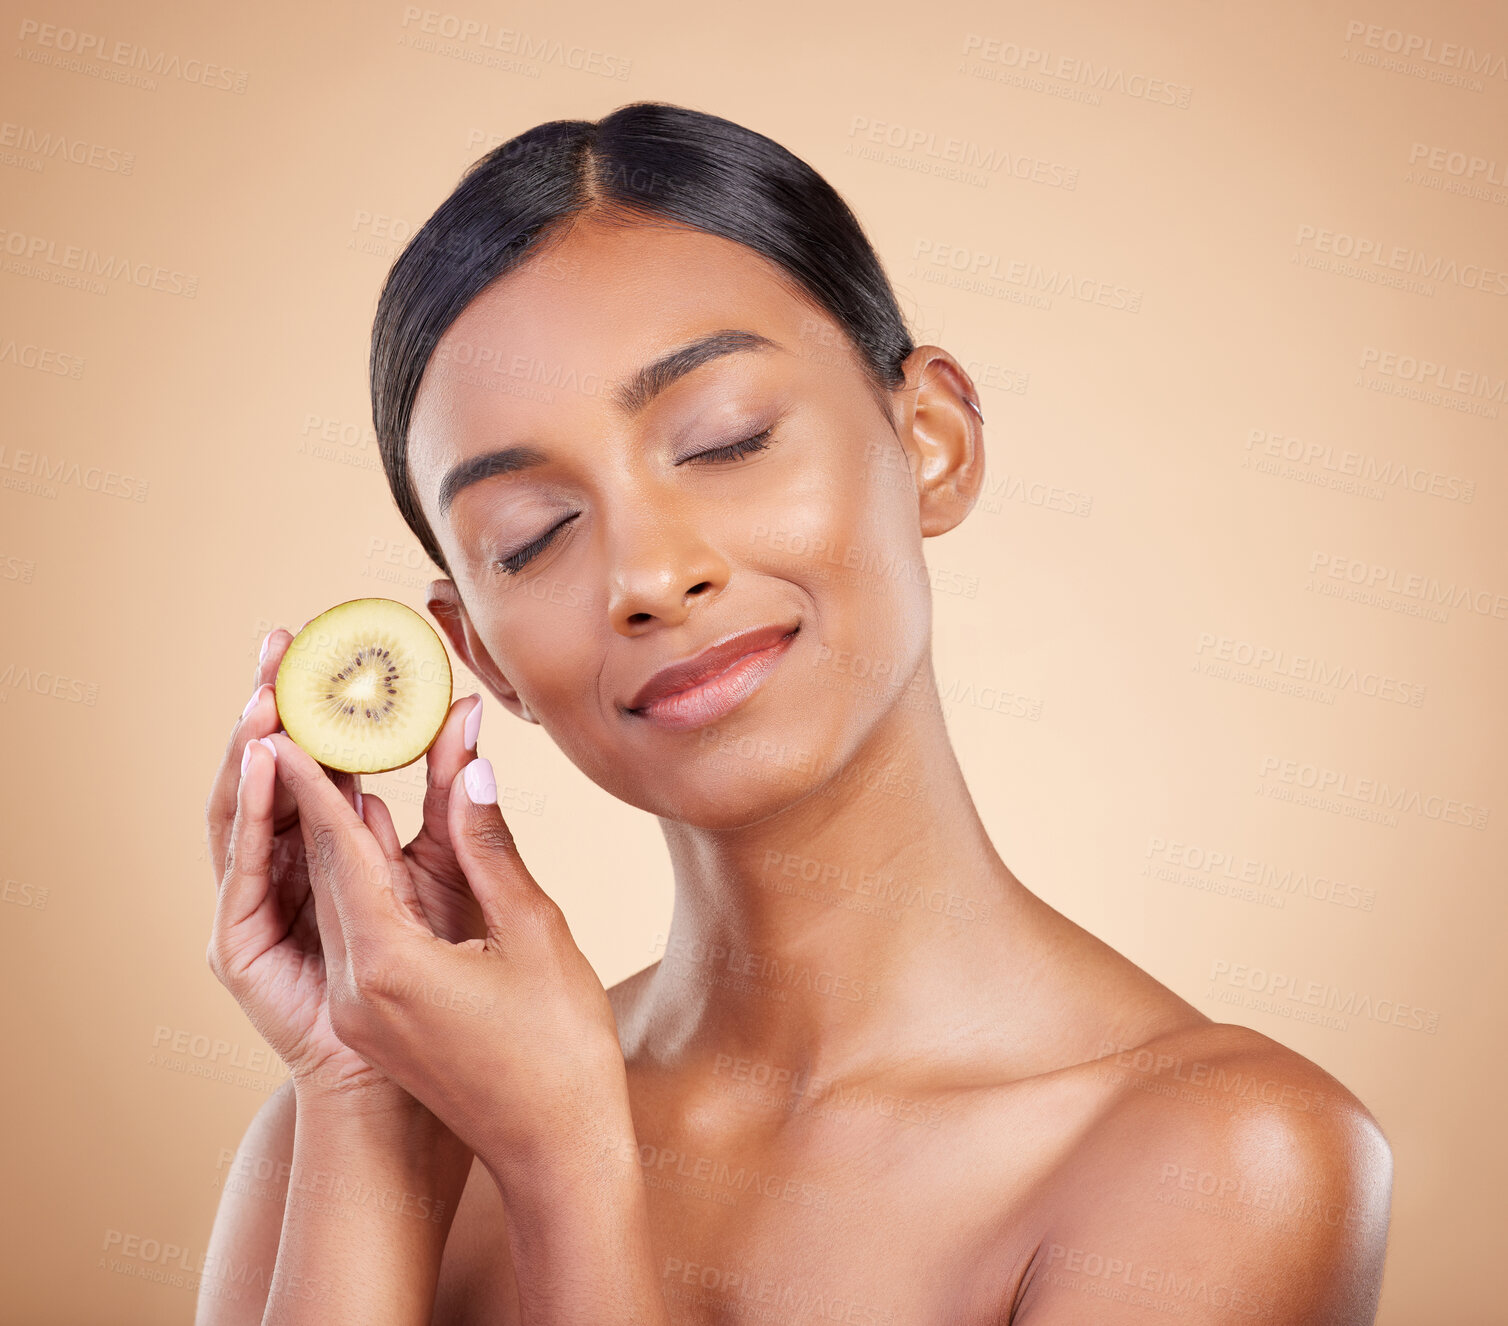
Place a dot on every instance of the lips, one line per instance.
(714, 659)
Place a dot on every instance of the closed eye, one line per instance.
(515, 562)
(734, 450)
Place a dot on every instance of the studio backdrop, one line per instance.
(1221, 645)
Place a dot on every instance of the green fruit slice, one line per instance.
(365, 686)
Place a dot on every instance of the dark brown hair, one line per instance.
(646, 161)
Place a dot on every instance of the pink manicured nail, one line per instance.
(358, 803)
(473, 728)
(251, 703)
(271, 749)
(246, 756)
(481, 786)
(266, 641)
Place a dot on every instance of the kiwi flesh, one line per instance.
(365, 686)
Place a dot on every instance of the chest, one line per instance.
(767, 1239)
(870, 1217)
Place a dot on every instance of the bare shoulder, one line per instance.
(1226, 1174)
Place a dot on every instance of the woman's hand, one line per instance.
(506, 1035)
(265, 945)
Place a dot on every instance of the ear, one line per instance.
(940, 425)
(446, 606)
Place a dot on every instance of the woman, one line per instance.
(644, 393)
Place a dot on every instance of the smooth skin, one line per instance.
(874, 1078)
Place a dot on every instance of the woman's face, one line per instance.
(636, 528)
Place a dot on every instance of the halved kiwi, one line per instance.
(365, 686)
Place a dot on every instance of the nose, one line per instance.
(661, 567)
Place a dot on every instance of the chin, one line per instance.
(773, 751)
(728, 775)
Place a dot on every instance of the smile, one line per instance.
(709, 698)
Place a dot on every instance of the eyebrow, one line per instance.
(631, 398)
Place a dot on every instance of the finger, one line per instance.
(350, 875)
(258, 719)
(485, 848)
(453, 749)
(274, 646)
(349, 785)
(245, 907)
(274, 649)
(374, 813)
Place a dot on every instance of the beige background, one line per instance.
(178, 472)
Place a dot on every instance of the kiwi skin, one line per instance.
(351, 755)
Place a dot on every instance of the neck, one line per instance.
(834, 937)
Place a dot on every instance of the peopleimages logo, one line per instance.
(791, 975)
(1307, 668)
(45, 38)
(1401, 258)
(1373, 576)
(1291, 996)
(1088, 74)
(38, 255)
(41, 359)
(1422, 369)
(1463, 165)
(1372, 792)
(1359, 465)
(728, 1287)
(1238, 868)
(1218, 1081)
(51, 145)
(1160, 1288)
(1242, 1197)
(989, 272)
(954, 158)
(1419, 378)
(482, 42)
(1416, 46)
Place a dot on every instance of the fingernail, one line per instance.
(358, 803)
(266, 640)
(271, 749)
(481, 786)
(473, 728)
(246, 756)
(251, 703)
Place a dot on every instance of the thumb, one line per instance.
(484, 847)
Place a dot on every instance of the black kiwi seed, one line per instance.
(366, 657)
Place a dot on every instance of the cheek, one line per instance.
(852, 543)
(851, 530)
(531, 602)
(821, 519)
(539, 631)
